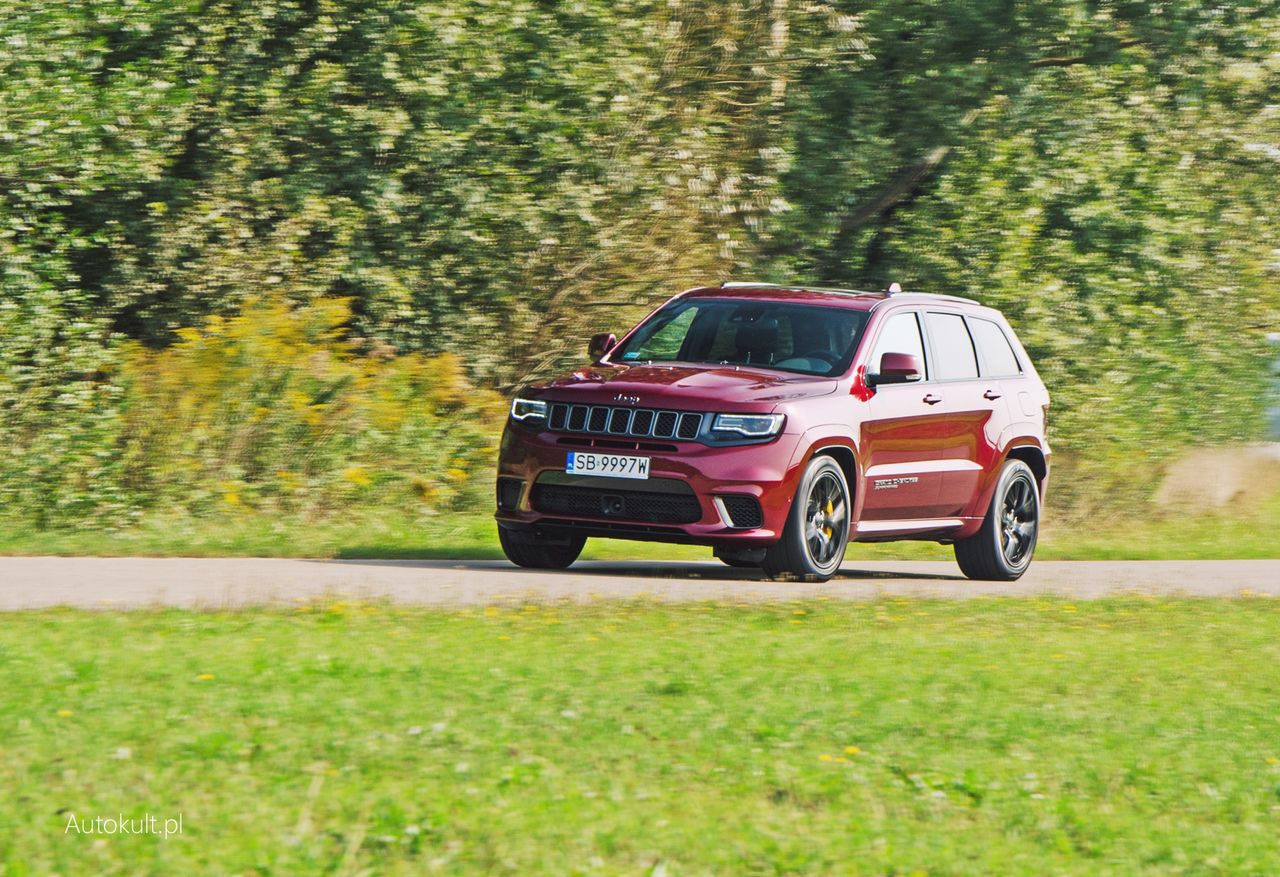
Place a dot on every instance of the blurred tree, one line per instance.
(500, 180)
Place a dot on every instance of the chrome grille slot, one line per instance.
(689, 426)
(664, 425)
(642, 423)
(577, 418)
(599, 420)
(620, 421)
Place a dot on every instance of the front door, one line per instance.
(903, 437)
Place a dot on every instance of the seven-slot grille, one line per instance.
(635, 422)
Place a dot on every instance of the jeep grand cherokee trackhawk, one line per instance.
(776, 424)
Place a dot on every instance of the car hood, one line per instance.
(709, 388)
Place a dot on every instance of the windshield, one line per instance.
(808, 339)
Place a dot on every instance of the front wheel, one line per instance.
(817, 530)
(527, 550)
(1001, 551)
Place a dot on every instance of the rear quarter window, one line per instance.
(994, 350)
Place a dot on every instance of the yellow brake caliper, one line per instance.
(826, 530)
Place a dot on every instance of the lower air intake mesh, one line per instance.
(743, 511)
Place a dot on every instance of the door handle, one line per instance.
(991, 394)
(931, 399)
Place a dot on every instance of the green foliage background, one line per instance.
(495, 180)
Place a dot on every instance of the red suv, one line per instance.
(776, 424)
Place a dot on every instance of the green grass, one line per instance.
(392, 534)
(985, 737)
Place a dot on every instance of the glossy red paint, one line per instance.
(921, 457)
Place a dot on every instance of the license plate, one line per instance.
(613, 465)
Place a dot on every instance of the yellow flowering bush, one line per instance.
(276, 408)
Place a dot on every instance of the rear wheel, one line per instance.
(524, 548)
(1001, 551)
(817, 530)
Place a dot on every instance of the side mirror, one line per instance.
(897, 368)
(601, 344)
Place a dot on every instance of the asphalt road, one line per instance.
(99, 583)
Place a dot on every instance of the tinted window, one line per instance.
(768, 334)
(998, 360)
(900, 335)
(952, 348)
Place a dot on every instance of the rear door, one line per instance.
(1004, 385)
(901, 435)
(974, 409)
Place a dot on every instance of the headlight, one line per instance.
(528, 409)
(750, 425)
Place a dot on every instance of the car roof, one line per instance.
(854, 299)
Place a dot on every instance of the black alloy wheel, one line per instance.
(817, 530)
(1002, 549)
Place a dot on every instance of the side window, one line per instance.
(952, 347)
(998, 359)
(900, 335)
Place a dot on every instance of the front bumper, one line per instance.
(712, 475)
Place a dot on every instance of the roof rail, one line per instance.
(804, 287)
(937, 295)
(888, 294)
(843, 291)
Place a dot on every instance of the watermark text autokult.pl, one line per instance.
(147, 823)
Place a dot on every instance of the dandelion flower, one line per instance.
(65, 714)
(852, 750)
(204, 677)
(825, 757)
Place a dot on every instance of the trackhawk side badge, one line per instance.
(891, 483)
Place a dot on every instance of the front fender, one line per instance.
(830, 435)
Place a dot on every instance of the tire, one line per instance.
(531, 552)
(1001, 551)
(817, 529)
